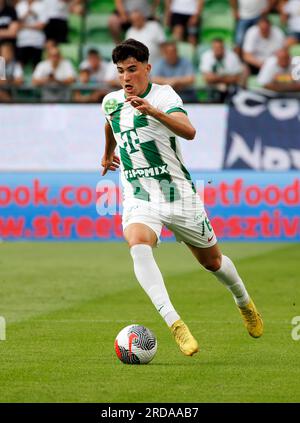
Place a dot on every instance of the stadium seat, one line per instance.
(217, 22)
(71, 52)
(221, 21)
(201, 48)
(75, 25)
(101, 6)
(200, 83)
(186, 50)
(201, 88)
(295, 50)
(275, 20)
(104, 49)
(252, 83)
(96, 28)
(28, 71)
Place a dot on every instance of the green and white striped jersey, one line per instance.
(151, 162)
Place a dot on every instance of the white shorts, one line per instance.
(186, 218)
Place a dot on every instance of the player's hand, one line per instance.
(141, 104)
(111, 163)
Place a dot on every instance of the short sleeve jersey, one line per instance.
(151, 163)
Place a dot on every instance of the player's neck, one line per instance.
(144, 91)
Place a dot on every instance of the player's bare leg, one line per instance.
(224, 270)
(141, 239)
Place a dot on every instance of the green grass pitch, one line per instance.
(64, 304)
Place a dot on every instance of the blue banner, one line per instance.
(262, 133)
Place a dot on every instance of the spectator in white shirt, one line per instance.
(57, 20)
(54, 74)
(290, 14)
(247, 13)
(92, 71)
(119, 21)
(184, 16)
(176, 71)
(96, 66)
(87, 92)
(276, 73)
(112, 76)
(222, 70)
(150, 33)
(13, 72)
(261, 41)
(31, 37)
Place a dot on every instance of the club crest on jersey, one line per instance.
(110, 105)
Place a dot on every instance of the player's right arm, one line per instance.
(177, 122)
(109, 160)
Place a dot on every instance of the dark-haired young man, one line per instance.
(144, 120)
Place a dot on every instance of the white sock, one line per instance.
(151, 280)
(228, 275)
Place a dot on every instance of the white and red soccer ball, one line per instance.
(135, 344)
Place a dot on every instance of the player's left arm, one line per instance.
(177, 122)
(109, 160)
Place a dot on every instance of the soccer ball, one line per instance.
(135, 344)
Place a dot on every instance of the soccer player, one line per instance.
(143, 121)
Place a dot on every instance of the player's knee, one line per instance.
(138, 241)
(212, 264)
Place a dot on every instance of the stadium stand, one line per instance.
(88, 28)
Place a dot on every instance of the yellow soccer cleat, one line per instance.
(187, 343)
(252, 319)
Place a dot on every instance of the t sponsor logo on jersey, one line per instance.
(110, 106)
(263, 133)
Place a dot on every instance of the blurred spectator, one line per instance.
(175, 71)
(247, 13)
(119, 21)
(77, 7)
(86, 94)
(8, 23)
(13, 72)
(57, 20)
(261, 41)
(55, 75)
(276, 73)
(93, 71)
(222, 70)
(95, 65)
(150, 33)
(183, 16)
(112, 76)
(31, 37)
(290, 14)
(48, 46)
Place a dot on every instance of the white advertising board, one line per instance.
(71, 137)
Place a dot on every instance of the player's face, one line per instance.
(133, 76)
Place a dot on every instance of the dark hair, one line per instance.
(130, 48)
(168, 43)
(264, 18)
(93, 51)
(218, 40)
